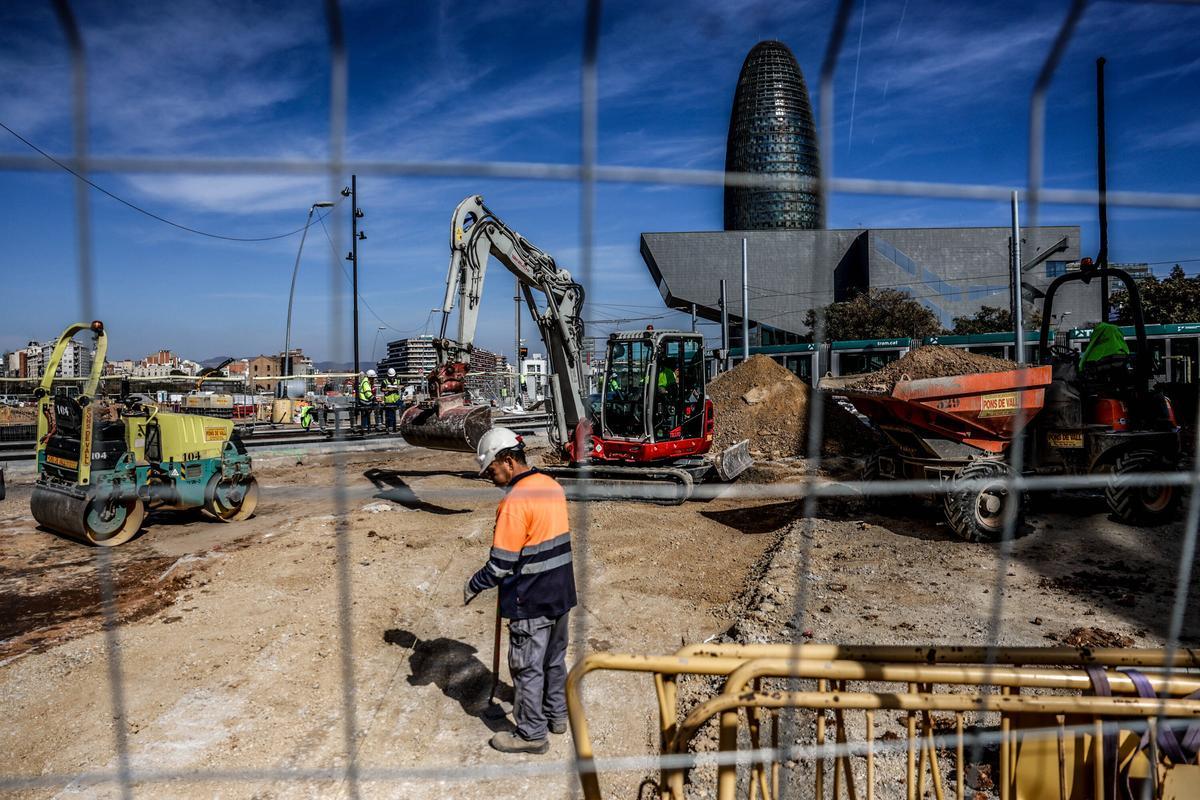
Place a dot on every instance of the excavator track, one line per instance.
(668, 486)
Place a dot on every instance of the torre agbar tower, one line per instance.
(771, 132)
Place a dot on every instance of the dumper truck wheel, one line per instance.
(231, 499)
(1141, 505)
(976, 512)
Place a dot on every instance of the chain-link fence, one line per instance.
(349, 774)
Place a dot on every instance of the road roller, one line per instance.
(101, 469)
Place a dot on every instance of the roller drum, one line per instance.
(87, 517)
(231, 499)
(457, 429)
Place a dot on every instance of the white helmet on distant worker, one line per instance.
(391, 372)
(493, 442)
(370, 373)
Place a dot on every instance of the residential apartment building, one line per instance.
(262, 366)
(412, 358)
(534, 374)
(76, 360)
(489, 375)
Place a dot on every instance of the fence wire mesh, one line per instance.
(349, 774)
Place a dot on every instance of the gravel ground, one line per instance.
(1076, 578)
(231, 650)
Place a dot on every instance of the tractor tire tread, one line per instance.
(959, 504)
(1124, 501)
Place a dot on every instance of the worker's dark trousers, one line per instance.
(537, 661)
(389, 414)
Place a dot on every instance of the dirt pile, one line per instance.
(761, 401)
(1092, 637)
(930, 361)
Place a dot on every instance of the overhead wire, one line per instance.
(151, 214)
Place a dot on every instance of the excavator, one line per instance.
(649, 433)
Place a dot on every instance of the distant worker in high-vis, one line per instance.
(530, 562)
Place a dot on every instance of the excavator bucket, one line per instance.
(446, 424)
(733, 460)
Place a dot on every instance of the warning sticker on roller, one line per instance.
(214, 434)
(58, 461)
(998, 405)
(1065, 439)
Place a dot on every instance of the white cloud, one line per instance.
(234, 194)
(1185, 135)
(162, 77)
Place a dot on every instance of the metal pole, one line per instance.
(1018, 302)
(1102, 169)
(724, 329)
(745, 307)
(354, 259)
(517, 394)
(287, 336)
(693, 317)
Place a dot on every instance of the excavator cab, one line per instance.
(678, 407)
(653, 391)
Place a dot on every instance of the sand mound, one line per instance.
(930, 361)
(761, 401)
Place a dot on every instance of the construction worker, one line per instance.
(366, 398)
(667, 379)
(666, 391)
(1106, 342)
(530, 562)
(306, 416)
(391, 399)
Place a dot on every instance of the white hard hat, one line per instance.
(391, 372)
(491, 443)
(370, 373)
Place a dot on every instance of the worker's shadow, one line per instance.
(392, 487)
(451, 665)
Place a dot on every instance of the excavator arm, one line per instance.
(208, 372)
(475, 234)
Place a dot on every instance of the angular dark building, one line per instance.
(771, 132)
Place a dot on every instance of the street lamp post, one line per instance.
(375, 343)
(285, 367)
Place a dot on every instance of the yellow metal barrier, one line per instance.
(1047, 742)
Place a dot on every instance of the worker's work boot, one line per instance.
(507, 742)
(558, 726)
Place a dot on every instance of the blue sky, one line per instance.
(936, 92)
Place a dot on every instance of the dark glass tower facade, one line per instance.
(771, 132)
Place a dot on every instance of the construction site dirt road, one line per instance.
(232, 659)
